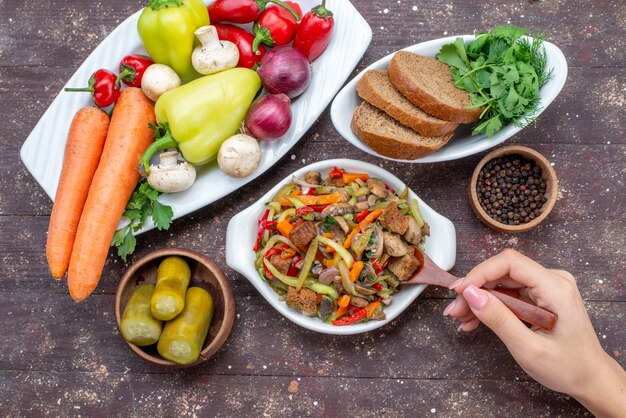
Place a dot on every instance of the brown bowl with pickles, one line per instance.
(205, 274)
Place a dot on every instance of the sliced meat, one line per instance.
(305, 300)
(358, 302)
(413, 232)
(334, 182)
(394, 245)
(361, 206)
(377, 187)
(364, 290)
(371, 199)
(404, 267)
(301, 235)
(394, 220)
(281, 264)
(337, 209)
(313, 177)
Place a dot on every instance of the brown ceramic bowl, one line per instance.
(204, 273)
(548, 175)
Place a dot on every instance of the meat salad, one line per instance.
(339, 247)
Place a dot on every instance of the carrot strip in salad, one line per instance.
(350, 177)
(311, 200)
(371, 308)
(357, 267)
(370, 218)
(284, 227)
(342, 310)
(348, 242)
(344, 301)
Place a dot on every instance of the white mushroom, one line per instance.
(239, 156)
(157, 80)
(213, 55)
(171, 175)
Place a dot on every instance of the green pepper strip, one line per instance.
(286, 190)
(345, 278)
(349, 260)
(416, 213)
(296, 202)
(310, 283)
(308, 262)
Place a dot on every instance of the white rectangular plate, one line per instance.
(42, 153)
(242, 230)
(462, 143)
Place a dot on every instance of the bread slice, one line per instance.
(376, 88)
(389, 137)
(428, 84)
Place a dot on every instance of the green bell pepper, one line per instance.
(198, 116)
(166, 28)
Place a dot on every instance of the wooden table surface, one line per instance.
(60, 358)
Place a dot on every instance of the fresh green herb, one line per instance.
(503, 72)
(142, 204)
(328, 221)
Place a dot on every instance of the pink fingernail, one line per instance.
(456, 283)
(449, 308)
(475, 297)
(460, 328)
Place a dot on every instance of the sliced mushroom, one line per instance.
(377, 187)
(361, 206)
(393, 245)
(316, 268)
(371, 199)
(375, 248)
(358, 302)
(313, 177)
(426, 230)
(342, 224)
(364, 290)
(335, 229)
(368, 274)
(338, 209)
(328, 275)
(326, 308)
(344, 197)
(413, 233)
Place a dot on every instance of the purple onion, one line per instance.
(269, 117)
(285, 70)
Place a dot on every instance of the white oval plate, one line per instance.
(42, 153)
(462, 143)
(242, 231)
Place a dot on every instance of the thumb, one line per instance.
(492, 312)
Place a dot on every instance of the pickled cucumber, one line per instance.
(173, 278)
(138, 326)
(183, 336)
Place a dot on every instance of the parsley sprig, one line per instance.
(142, 204)
(503, 71)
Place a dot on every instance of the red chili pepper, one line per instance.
(275, 27)
(379, 267)
(272, 251)
(336, 173)
(318, 208)
(243, 39)
(377, 286)
(314, 31)
(348, 320)
(293, 270)
(103, 87)
(132, 68)
(244, 11)
(260, 231)
(360, 216)
(304, 210)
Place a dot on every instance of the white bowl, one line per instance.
(462, 143)
(242, 230)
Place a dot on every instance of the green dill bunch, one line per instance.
(502, 71)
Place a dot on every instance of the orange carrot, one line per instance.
(311, 200)
(371, 308)
(284, 227)
(343, 301)
(350, 177)
(82, 154)
(370, 218)
(341, 311)
(348, 242)
(356, 271)
(113, 184)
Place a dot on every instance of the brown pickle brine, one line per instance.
(511, 189)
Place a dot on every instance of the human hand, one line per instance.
(569, 358)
